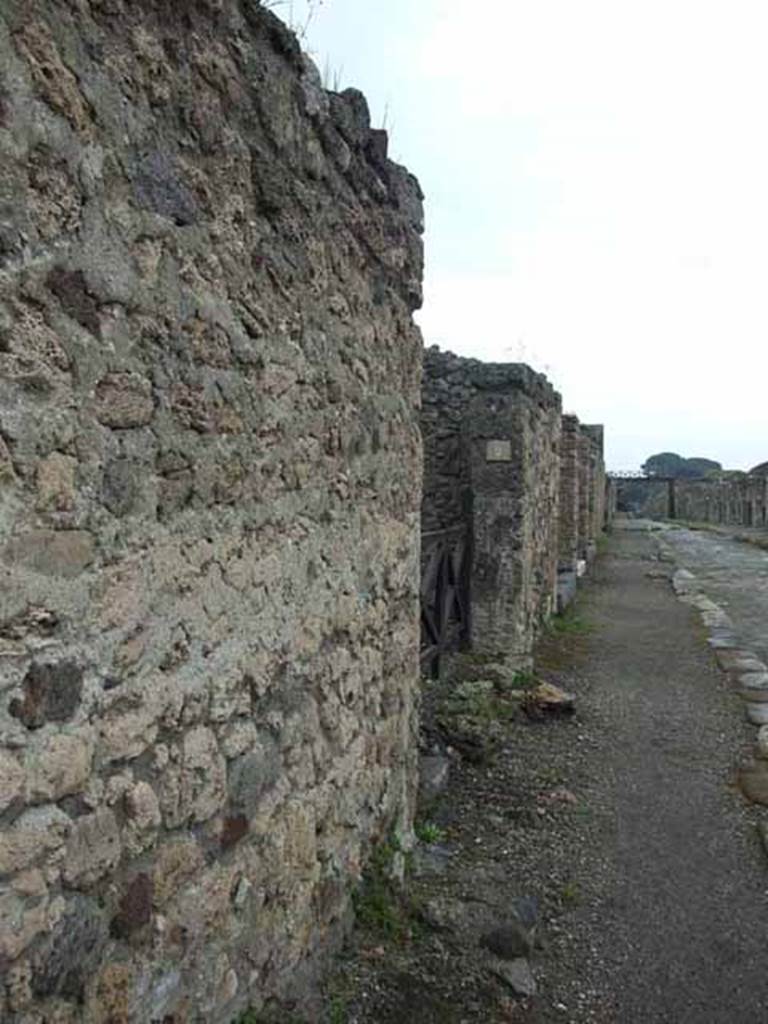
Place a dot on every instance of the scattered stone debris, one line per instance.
(509, 941)
(516, 973)
(548, 699)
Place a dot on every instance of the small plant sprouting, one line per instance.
(429, 833)
(570, 623)
(380, 904)
(583, 812)
(299, 26)
(332, 77)
(570, 894)
(523, 679)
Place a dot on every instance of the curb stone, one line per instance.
(746, 672)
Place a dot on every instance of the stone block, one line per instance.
(135, 907)
(176, 862)
(93, 849)
(38, 832)
(51, 693)
(12, 780)
(56, 483)
(124, 401)
(64, 553)
(62, 966)
(56, 82)
(60, 767)
(194, 788)
(23, 920)
(143, 818)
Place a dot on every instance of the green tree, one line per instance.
(701, 467)
(664, 464)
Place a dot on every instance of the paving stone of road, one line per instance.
(734, 575)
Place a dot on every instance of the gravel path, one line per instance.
(687, 935)
(623, 822)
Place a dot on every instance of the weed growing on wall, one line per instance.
(297, 14)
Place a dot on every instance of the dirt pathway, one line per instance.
(686, 935)
(622, 823)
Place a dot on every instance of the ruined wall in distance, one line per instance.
(735, 499)
(727, 498)
(209, 478)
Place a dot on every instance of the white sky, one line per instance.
(596, 174)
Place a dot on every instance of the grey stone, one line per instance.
(251, 775)
(516, 973)
(316, 100)
(64, 553)
(526, 910)
(121, 485)
(756, 713)
(508, 941)
(158, 186)
(723, 640)
(753, 680)
(446, 913)
(351, 115)
(431, 860)
(93, 849)
(434, 771)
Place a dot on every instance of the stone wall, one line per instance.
(598, 508)
(491, 440)
(209, 479)
(585, 503)
(569, 547)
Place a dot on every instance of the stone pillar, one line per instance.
(584, 485)
(595, 432)
(512, 454)
(568, 534)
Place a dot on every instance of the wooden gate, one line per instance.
(445, 560)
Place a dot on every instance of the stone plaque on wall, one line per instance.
(498, 451)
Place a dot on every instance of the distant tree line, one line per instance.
(674, 465)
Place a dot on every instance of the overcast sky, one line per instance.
(596, 174)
